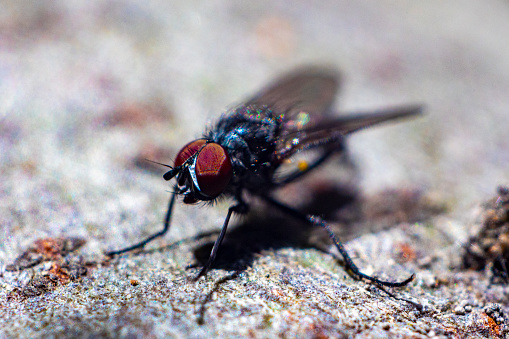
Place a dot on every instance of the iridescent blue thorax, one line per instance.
(249, 135)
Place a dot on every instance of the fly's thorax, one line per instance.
(249, 133)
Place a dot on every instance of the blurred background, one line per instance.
(75, 74)
(88, 89)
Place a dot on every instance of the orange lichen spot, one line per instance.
(405, 253)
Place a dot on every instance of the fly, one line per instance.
(246, 149)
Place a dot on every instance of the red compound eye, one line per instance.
(188, 150)
(213, 169)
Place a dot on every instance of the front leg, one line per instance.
(241, 207)
(165, 229)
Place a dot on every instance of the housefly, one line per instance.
(249, 146)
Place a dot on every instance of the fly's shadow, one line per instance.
(252, 236)
(265, 228)
(350, 213)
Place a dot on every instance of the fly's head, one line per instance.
(202, 169)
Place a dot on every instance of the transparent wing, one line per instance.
(303, 96)
(331, 131)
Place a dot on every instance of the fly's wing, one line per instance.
(302, 96)
(332, 131)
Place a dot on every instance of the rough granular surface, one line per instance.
(489, 248)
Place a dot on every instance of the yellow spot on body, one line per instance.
(302, 119)
(302, 165)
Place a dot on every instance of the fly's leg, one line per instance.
(153, 236)
(242, 208)
(334, 146)
(297, 174)
(350, 265)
